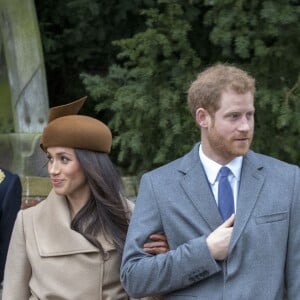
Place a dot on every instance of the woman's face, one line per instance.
(66, 173)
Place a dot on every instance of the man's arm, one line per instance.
(293, 249)
(143, 274)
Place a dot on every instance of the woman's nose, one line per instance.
(53, 167)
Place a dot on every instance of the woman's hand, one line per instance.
(158, 244)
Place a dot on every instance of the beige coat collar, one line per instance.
(51, 223)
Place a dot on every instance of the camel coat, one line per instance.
(47, 260)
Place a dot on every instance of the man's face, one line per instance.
(229, 131)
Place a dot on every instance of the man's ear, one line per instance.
(202, 117)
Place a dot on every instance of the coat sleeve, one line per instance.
(17, 269)
(293, 253)
(143, 274)
(10, 194)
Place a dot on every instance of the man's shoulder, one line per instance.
(166, 167)
(7, 173)
(269, 162)
(181, 164)
(8, 177)
(10, 187)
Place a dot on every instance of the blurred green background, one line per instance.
(136, 58)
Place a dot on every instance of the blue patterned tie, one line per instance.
(225, 196)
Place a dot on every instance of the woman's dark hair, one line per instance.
(106, 213)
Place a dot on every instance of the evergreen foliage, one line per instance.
(77, 35)
(138, 83)
(147, 93)
(261, 36)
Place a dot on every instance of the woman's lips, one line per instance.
(56, 182)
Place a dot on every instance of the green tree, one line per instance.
(138, 83)
(262, 37)
(146, 93)
(77, 36)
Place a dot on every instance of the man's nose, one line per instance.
(246, 124)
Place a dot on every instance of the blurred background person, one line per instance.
(10, 203)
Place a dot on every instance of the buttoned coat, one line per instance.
(47, 260)
(10, 203)
(264, 251)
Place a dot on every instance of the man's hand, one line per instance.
(158, 244)
(218, 240)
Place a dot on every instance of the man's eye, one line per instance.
(234, 116)
(250, 115)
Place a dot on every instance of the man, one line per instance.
(249, 251)
(10, 203)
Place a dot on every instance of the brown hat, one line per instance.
(67, 129)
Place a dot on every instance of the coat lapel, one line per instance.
(196, 186)
(51, 223)
(252, 179)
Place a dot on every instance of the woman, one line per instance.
(69, 246)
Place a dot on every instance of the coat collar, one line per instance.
(51, 224)
(195, 184)
(252, 180)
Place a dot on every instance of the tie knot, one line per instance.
(224, 172)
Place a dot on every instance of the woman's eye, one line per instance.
(49, 157)
(64, 159)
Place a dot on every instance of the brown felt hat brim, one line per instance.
(77, 131)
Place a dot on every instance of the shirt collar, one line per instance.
(212, 168)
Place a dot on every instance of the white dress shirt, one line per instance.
(212, 170)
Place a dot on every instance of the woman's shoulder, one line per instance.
(29, 211)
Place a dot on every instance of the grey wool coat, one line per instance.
(264, 251)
